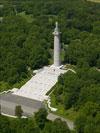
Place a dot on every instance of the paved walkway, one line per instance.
(38, 86)
(52, 117)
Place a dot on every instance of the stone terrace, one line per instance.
(37, 87)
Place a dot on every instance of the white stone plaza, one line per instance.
(38, 86)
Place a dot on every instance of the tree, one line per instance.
(4, 124)
(30, 127)
(88, 118)
(80, 123)
(41, 117)
(57, 126)
(18, 111)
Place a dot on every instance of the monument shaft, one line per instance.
(57, 47)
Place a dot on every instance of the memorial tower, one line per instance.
(57, 46)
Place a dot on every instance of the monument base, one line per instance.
(57, 67)
(38, 86)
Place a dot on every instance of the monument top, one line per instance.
(56, 30)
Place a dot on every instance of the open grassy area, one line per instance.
(68, 114)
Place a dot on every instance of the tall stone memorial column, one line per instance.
(57, 46)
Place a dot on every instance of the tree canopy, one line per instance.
(26, 43)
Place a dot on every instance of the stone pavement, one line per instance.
(38, 86)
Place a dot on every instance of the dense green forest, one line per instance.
(26, 39)
(80, 92)
(39, 124)
(26, 43)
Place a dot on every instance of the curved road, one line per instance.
(52, 117)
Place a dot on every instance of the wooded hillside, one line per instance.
(26, 38)
(26, 43)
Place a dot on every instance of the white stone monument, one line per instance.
(38, 86)
(57, 46)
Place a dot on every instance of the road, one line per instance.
(52, 117)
